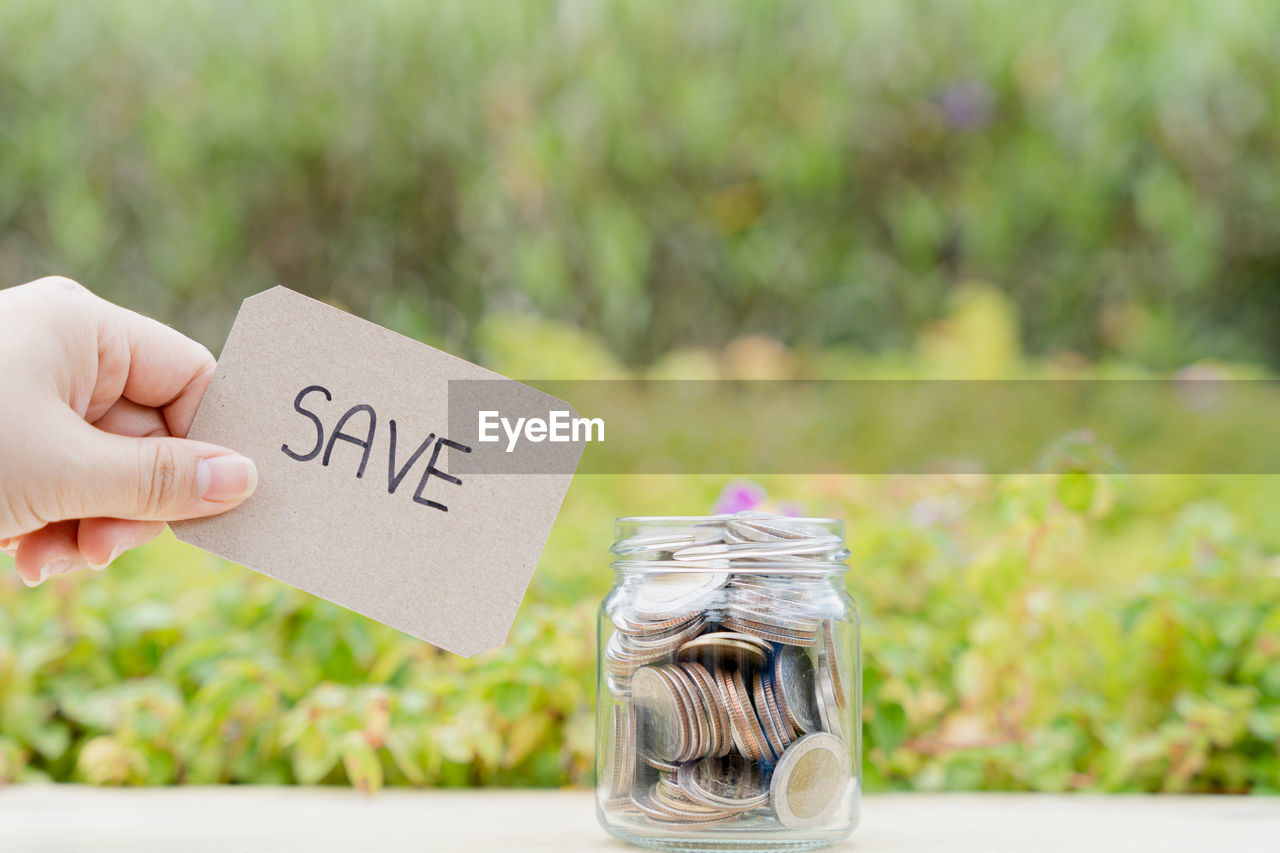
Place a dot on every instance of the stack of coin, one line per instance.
(729, 681)
(637, 641)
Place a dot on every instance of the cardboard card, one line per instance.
(363, 496)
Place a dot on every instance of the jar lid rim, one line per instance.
(809, 519)
(817, 568)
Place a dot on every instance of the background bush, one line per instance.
(823, 172)
(1078, 632)
(609, 189)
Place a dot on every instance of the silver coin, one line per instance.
(661, 542)
(698, 724)
(725, 647)
(756, 550)
(660, 766)
(777, 616)
(635, 627)
(837, 661)
(772, 735)
(755, 729)
(749, 746)
(668, 639)
(730, 782)
(810, 781)
(664, 814)
(620, 755)
(796, 688)
(665, 594)
(715, 716)
(615, 747)
(685, 718)
(784, 729)
(828, 706)
(768, 633)
(660, 730)
(670, 798)
(771, 529)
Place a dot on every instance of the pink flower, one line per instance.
(739, 496)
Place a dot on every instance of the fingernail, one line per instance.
(225, 479)
(57, 567)
(115, 552)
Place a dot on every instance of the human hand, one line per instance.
(95, 403)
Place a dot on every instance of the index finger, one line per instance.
(153, 365)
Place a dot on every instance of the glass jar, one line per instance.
(728, 712)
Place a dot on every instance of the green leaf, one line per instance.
(364, 771)
(888, 727)
(1075, 490)
(313, 756)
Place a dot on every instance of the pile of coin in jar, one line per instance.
(730, 684)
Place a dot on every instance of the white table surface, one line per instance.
(318, 820)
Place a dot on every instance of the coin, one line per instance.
(686, 718)
(771, 610)
(665, 815)
(754, 729)
(772, 735)
(767, 528)
(665, 594)
(671, 639)
(795, 688)
(809, 783)
(659, 728)
(619, 755)
(718, 689)
(837, 661)
(730, 782)
(764, 632)
(716, 715)
(744, 739)
(661, 542)
(784, 728)
(625, 623)
(828, 706)
(660, 766)
(756, 550)
(721, 647)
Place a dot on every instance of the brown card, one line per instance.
(363, 496)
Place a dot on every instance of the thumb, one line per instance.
(153, 479)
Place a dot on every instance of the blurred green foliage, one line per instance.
(820, 172)
(1019, 633)
(1079, 630)
(658, 183)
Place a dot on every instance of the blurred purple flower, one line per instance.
(967, 105)
(739, 496)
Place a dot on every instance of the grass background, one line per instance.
(765, 189)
